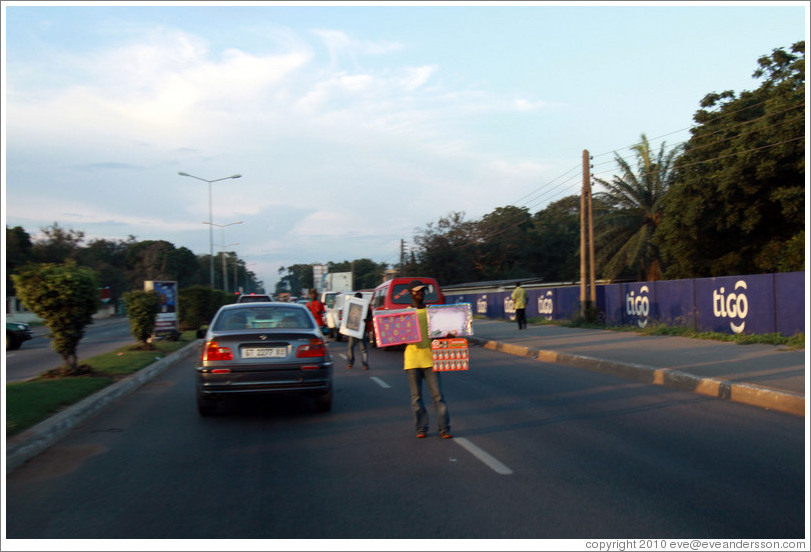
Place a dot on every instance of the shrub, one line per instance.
(65, 296)
(199, 304)
(142, 308)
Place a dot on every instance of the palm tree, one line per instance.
(631, 210)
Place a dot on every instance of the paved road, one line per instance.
(541, 451)
(768, 376)
(37, 356)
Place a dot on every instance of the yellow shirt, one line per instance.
(418, 355)
(520, 298)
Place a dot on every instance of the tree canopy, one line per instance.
(629, 212)
(65, 296)
(737, 204)
(121, 265)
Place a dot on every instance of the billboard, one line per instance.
(319, 278)
(166, 322)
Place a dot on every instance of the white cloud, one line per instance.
(326, 149)
(418, 76)
(341, 46)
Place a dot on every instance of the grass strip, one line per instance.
(30, 402)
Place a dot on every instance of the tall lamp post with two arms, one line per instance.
(223, 245)
(210, 218)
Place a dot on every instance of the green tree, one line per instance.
(107, 258)
(18, 253)
(197, 305)
(298, 278)
(632, 210)
(446, 249)
(555, 241)
(58, 245)
(65, 296)
(368, 274)
(738, 204)
(504, 244)
(142, 309)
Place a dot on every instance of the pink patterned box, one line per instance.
(397, 327)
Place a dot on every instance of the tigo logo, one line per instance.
(481, 305)
(546, 306)
(638, 305)
(735, 305)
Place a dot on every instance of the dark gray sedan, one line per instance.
(263, 349)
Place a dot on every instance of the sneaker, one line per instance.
(446, 435)
(348, 366)
(422, 435)
(365, 367)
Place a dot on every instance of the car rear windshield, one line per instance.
(264, 317)
(401, 296)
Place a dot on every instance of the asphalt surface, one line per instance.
(766, 376)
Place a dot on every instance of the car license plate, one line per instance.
(264, 352)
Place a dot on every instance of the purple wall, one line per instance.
(756, 304)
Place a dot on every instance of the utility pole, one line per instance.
(402, 258)
(592, 286)
(586, 240)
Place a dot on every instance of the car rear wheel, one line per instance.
(324, 402)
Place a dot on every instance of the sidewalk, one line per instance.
(767, 376)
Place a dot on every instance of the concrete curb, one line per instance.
(26, 445)
(746, 393)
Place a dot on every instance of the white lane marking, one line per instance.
(380, 382)
(343, 356)
(485, 457)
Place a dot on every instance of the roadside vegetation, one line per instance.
(30, 402)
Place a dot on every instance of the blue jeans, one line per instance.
(364, 350)
(415, 378)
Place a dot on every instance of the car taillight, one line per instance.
(212, 351)
(314, 349)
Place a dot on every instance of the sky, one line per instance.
(353, 126)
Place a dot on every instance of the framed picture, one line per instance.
(397, 327)
(354, 315)
(450, 320)
(450, 355)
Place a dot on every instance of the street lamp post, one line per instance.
(224, 270)
(247, 280)
(210, 218)
(222, 252)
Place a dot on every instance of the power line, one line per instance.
(546, 192)
(718, 115)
